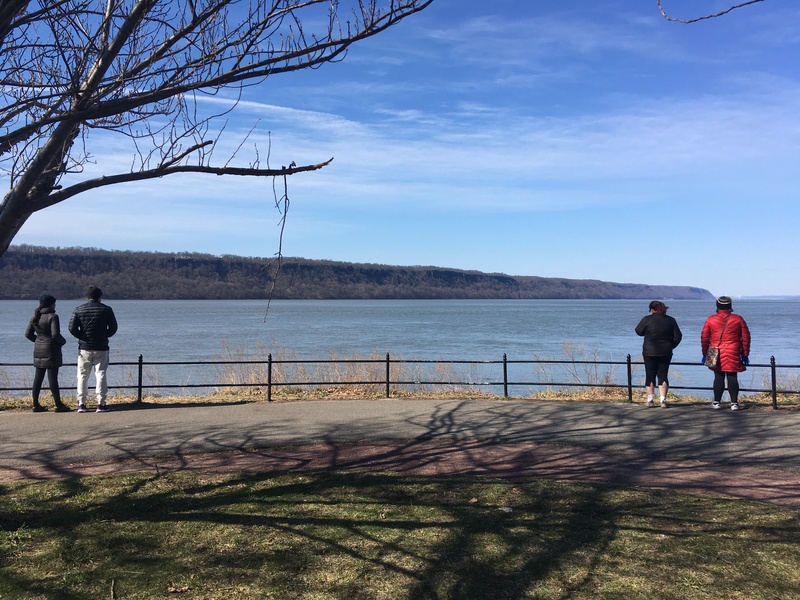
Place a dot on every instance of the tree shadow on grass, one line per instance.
(421, 534)
(367, 535)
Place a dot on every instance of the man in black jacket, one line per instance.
(93, 323)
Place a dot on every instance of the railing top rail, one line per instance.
(395, 361)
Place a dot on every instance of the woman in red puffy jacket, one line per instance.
(730, 333)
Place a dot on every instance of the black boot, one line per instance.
(61, 407)
(38, 407)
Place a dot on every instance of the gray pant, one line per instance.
(88, 359)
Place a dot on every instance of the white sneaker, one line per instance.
(735, 406)
(715, 405)
(649, 404)
(663, 404)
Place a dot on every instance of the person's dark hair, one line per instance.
(724, 303)
(94, 293)
(45, 301)
(659, 307)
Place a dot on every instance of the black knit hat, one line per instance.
(46, 300)
(724, 303)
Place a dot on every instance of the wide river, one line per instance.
(481, 330)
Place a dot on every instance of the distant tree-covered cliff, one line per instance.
(28, 271)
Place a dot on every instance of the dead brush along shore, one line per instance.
(349, 392)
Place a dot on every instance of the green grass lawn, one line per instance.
(372, 535)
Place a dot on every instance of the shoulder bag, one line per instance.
(712, 355)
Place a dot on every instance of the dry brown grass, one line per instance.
(377, 392)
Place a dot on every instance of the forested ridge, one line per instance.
(28, 271)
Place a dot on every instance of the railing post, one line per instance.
(630, 379)
(387, 374)
(269, 377)
(139, 387)
(773, 375)
(505, 375)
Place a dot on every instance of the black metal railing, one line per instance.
(384, 373)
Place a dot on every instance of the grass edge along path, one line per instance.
(372, 535)
(22, 403)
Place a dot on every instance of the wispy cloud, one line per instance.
(508, 137)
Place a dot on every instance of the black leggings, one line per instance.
(52, 378)
(719, 385)
(656, 368)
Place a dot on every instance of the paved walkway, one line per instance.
(753, 453)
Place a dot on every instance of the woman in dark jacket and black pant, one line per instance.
(661, 336)
(44, 330)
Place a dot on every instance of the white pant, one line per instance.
(86, 360)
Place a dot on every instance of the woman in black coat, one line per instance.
(661, 336)
(44, 330)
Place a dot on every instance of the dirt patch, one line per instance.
(475, 458)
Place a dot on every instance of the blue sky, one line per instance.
(579, 139)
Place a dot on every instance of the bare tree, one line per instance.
(136, 68)
(707, 16)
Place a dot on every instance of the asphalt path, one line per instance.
(49, 441)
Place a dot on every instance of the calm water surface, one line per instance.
(410, 329)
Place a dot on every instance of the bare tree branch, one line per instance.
(704, 17)
(107, 180)
(137, 68)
